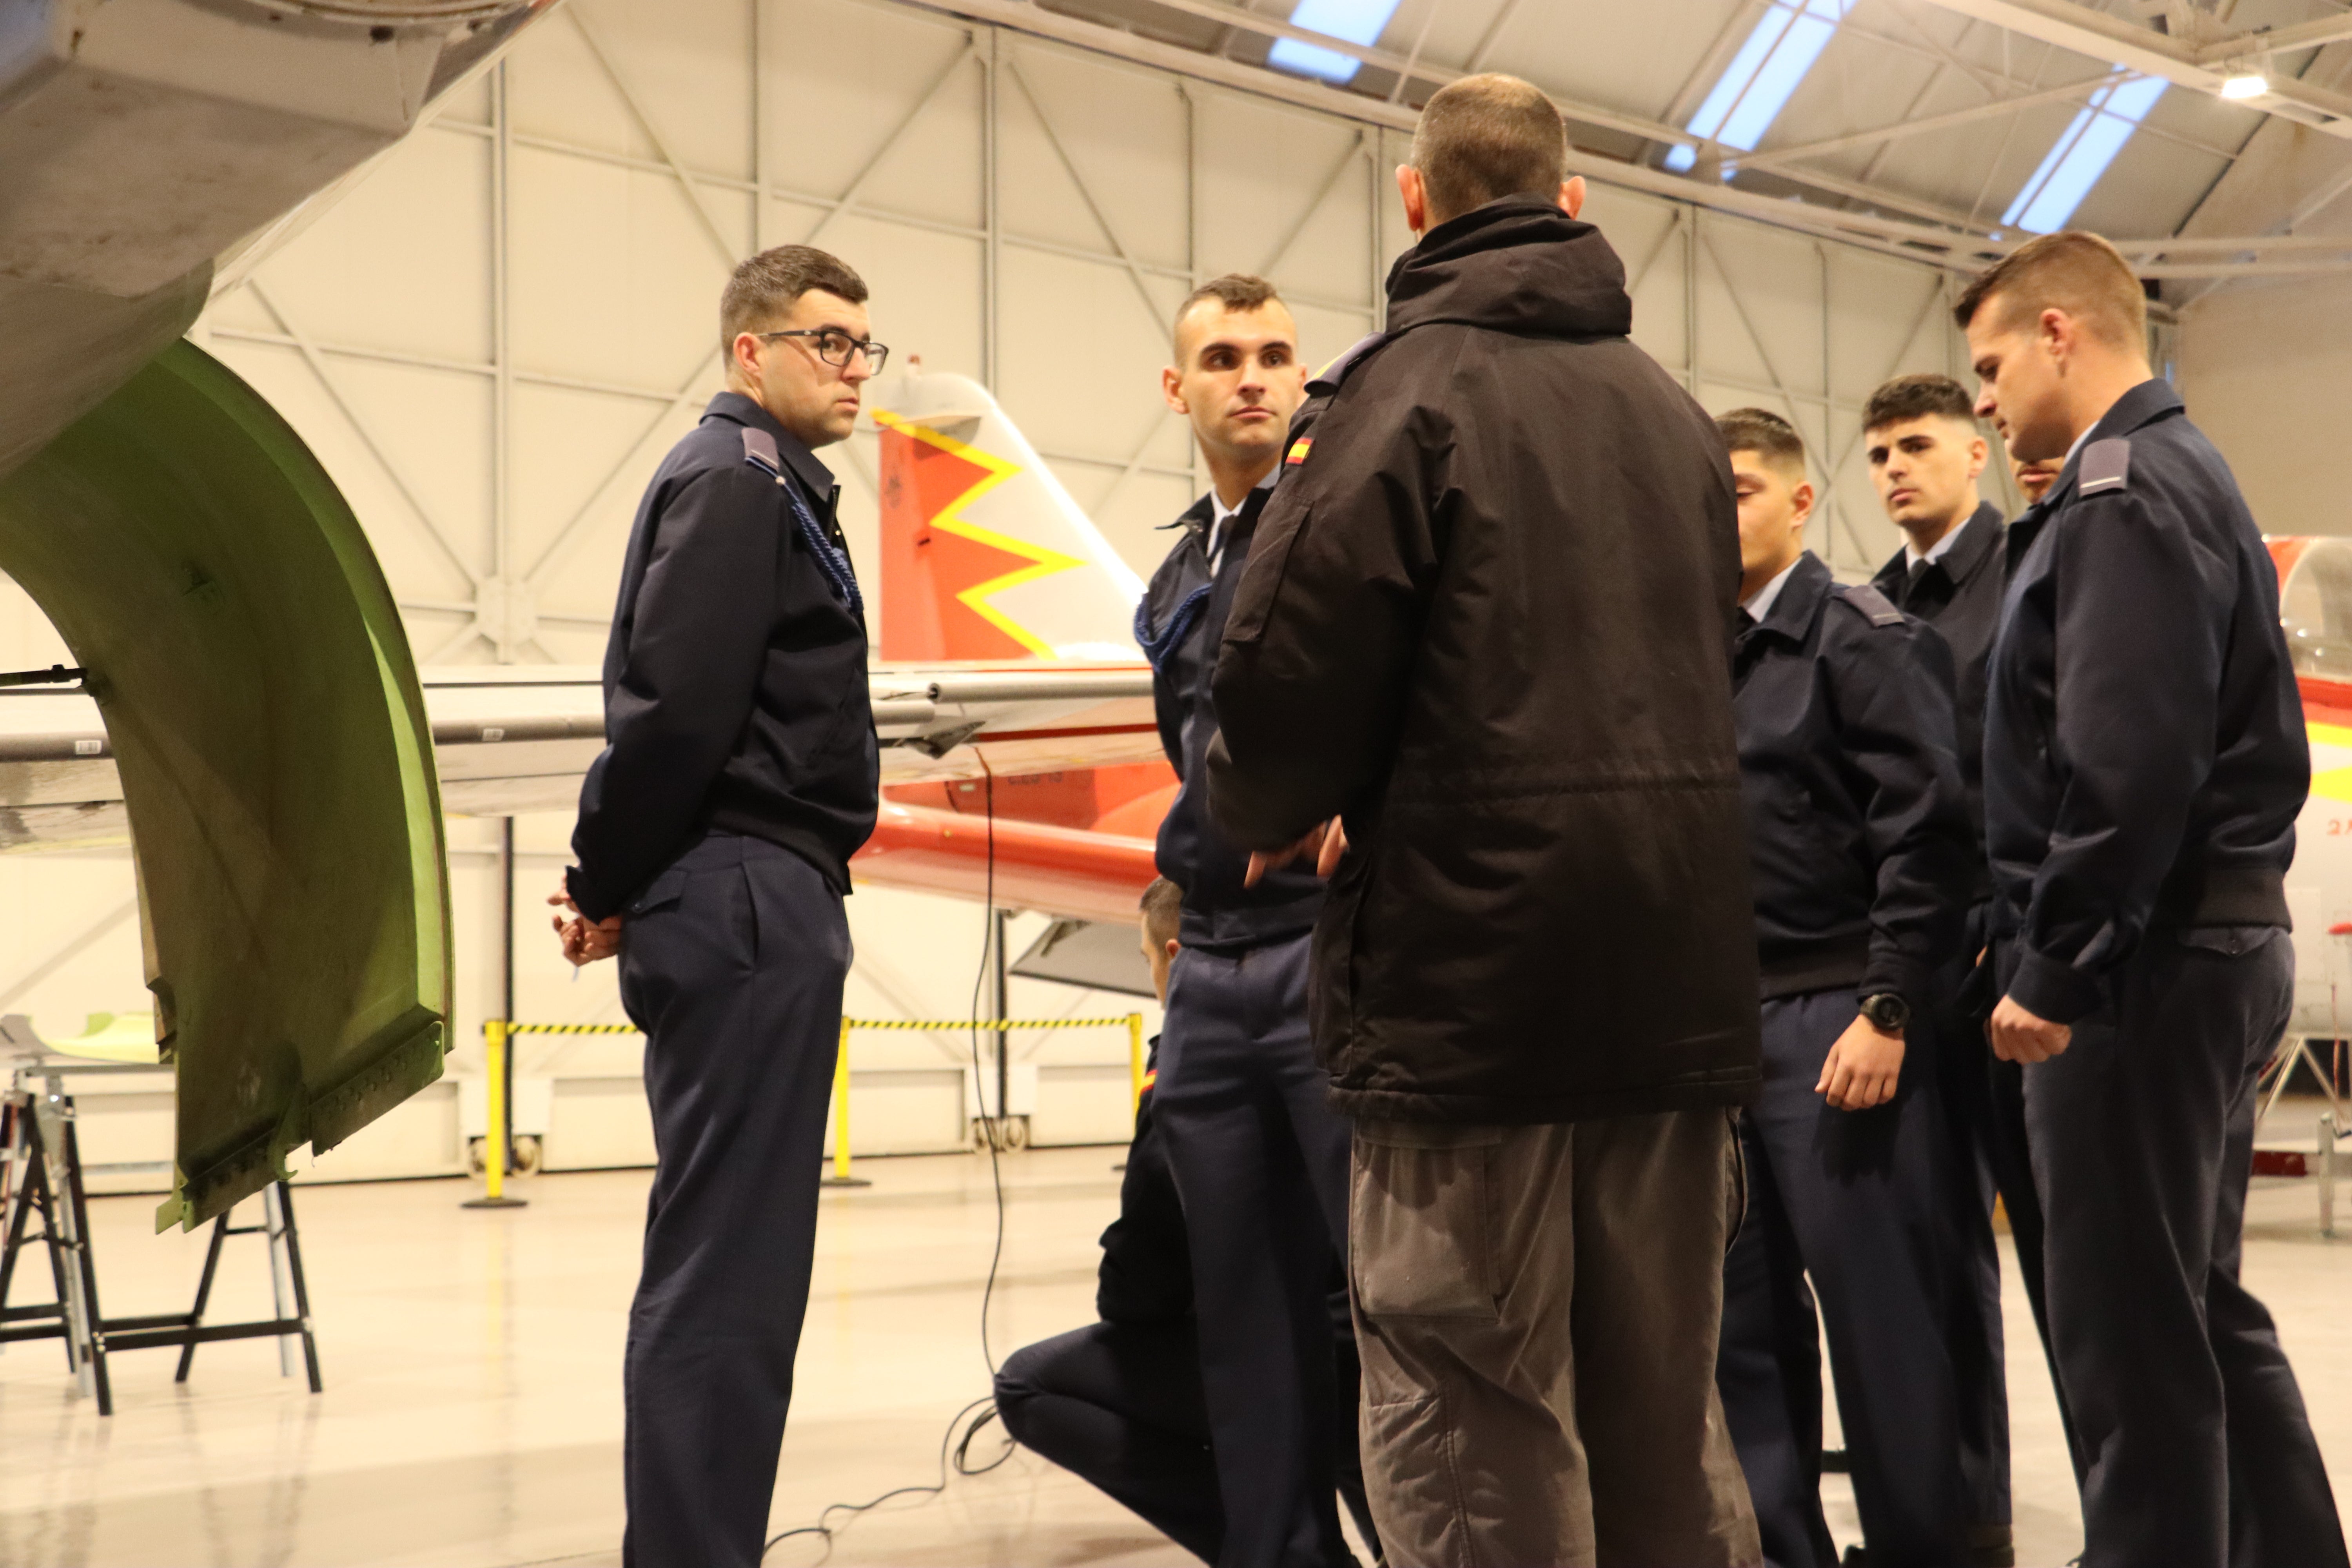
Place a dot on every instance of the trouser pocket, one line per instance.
(1420, 1224)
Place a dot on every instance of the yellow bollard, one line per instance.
(841, 1176)
(495, 1140)
(1135, 1055)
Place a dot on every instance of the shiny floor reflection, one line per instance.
(472, 1412)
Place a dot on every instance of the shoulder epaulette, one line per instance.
(2107, 466)
(760, 451)
(1329, 378)
(1870, 605)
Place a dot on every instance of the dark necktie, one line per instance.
(1912, 578)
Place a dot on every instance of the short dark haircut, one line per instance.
(1486, 137)
(1163, 911)
(2072, 271)
(1235, 291)
(766, 287)
(1766, 433)
(1909, 397)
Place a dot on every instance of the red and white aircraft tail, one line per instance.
(988, 564)
(984, 554)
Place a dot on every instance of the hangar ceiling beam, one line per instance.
(1436, 75)
(1492, 35)
(2079, 29)
(2309, 35)
(2073, 93)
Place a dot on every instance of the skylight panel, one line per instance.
(1357, 21)
(1762, 77)
(2082, 155)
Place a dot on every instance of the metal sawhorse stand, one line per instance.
(44, 1174)
(2295, 1050)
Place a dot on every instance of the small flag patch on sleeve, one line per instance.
(1298, 450)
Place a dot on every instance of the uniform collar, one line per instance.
(740, 410)
(1790, 601)
(1961, 553)
(1196, 517)
(1971, 544)
(2142, 406)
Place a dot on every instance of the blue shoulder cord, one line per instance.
(834, 562)
(1180, 625)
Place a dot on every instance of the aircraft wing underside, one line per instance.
(509, 740)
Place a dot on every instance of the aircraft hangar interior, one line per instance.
(360, 355)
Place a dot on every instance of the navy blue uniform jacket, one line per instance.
(1959, 596)
(1180, 626)
(1856, 826)
(2145, 756)
(735, 692)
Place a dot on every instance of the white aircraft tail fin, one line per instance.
(984, 554)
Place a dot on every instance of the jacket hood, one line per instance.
(1520, 266)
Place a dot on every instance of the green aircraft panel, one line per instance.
(264, 711)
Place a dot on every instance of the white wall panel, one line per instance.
(2266, 369)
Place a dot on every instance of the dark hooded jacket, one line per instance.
(1486, 618)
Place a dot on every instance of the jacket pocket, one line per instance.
(1420, 1224)
(660, 894)
(1269, 552)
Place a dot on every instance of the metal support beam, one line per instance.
(1322, 193)
(1152, 307)
(1476, 61)
(317, 363)
(501, 634)
(727, 247)
(552, 556)
(2073, 93)
(1948, 247)
(2081, 30)
(1421, 70)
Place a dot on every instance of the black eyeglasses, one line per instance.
(834, 347)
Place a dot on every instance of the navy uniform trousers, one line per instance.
(1261, 1164)
(2197, 1449)
(1855, 1201)
(1984, 1114)
(1119, 1404)
(732, 962)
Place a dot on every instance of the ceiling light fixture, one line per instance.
(2252, 84)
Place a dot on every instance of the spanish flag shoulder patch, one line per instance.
(1298, 450)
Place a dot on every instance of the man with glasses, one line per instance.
(739, 775)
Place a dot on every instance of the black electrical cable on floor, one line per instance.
(955, 1454)
(991, 937)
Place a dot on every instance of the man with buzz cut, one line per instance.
(1926, 454)
(1260, 1158)
(1483, 625)
(1859, 843)
(2145, 762)
(738, 777)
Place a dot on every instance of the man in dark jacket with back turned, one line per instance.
(738, 777)
(1484, 622)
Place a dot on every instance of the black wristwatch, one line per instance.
(1887, 1012)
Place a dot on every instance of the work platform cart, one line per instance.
(40, 1159)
